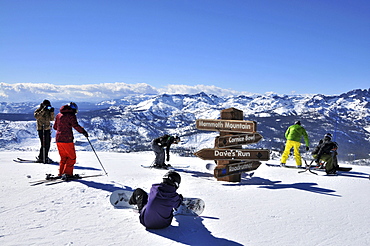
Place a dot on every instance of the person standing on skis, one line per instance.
(158, 146)
(156, 209)
(293, 135)
(44, 115)
(64, 122)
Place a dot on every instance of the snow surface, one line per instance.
(276, 206)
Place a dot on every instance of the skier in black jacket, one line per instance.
(326, 151)
(158, 146)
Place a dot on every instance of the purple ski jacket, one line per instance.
(158, 212)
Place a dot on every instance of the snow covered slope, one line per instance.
(277, 206)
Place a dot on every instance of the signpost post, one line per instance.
(231, 159)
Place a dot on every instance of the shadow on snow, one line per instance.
(276, 185)
(101, 186)
(191, 231)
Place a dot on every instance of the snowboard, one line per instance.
(120, 198)
(189, 206)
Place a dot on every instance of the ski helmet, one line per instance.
(73, 105)
(328, 136)
(297, 122)
(172, 178)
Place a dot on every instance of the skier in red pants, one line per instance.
(64, 121)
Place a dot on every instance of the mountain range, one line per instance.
(130, 122)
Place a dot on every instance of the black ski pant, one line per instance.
(139, 198)
(159, 154)
(45, 139)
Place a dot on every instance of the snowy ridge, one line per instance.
(129, 123)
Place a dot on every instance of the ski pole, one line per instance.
(97, 156)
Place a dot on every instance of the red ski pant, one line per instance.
(67, 154)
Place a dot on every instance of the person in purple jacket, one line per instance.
(156, 209)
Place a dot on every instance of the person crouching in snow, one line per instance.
(158, 146)
(64, 121)
(156, 210)
(326, 151)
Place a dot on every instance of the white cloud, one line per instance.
(23, 92)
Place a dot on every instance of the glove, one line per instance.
(85, 134)
(168, 158)
(317, 160)
(181, 197)
(307, 148)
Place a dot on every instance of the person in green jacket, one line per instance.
(293, 135)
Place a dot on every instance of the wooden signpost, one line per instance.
(231, 158)
(236, 168)
(234, 154)
(236, 140)
(238, 126)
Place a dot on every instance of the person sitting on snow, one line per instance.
(326, 151)
(156, 210)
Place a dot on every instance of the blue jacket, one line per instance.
(158, 212)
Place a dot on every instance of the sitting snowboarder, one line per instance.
(326, 151)
(156, 210)
(158, 146)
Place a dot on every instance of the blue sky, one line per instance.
(300, 46)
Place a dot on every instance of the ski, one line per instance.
(167, 168)
(277, 165)
(49, 178)
(72, 179)
(53, 179)
(20, 160)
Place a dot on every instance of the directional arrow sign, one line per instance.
(227, 125)
(235, 168)
(234, 154)
(234, 140)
